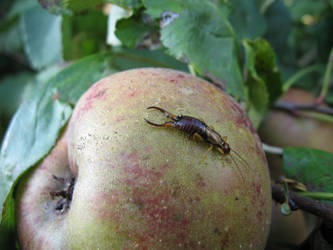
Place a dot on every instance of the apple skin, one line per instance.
(282, 129)
(142, 187)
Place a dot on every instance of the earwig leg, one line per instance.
(225, 138)
(206, 153)
(222, 155)
(166, 124)
(220, 150)
(198, 136)
(167, 114)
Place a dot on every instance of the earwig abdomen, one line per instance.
(191, 125)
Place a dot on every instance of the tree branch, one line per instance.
(307, 204)
(293, 108)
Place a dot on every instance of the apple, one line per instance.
(282, 129)
(115, 182)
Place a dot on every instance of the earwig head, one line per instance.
(225, 147)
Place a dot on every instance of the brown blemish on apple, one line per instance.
(200, 182)
(181, 76)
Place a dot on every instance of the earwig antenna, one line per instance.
(243, 160)
(238, 170)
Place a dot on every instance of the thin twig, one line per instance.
(272, 149)
(327, 79)
(307, 204)
(293, 107)
(303, 72)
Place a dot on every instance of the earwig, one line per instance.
(197, 128)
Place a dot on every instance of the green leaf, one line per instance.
(8, 226)
(38, 121)
(10, 39)
(307, 7)
(263, 80)
(246, 19)
(81, 5)
(56, 7)
(309, 166)
(11, 90)
(202, 35)
(156, 8)
(277, 16)
(132, 31)
(130, 58)
(84, 34)
(41, 33)
(19, 7)
(128, 4)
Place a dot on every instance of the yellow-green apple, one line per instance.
(142, 187)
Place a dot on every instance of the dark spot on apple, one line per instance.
(65, 193)
(217, 231)
(139, 205)
(236, 198)
(200, 182)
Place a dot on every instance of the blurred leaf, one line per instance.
(128, 4)
(7, 226)
(130, 58)
(246, 19)
(37, 123)
(83, 34)
(19, 7)
(263, 80)
(10, 39)
(310, 166)
(11, 90)
(277, 16)
(41, 33)
(299, 9)
(202, 35)
(80, 5)
(156, 8)
(132, 31)
(56, 7)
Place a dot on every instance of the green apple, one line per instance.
(142, 187)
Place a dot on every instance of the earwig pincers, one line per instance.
(196, 128)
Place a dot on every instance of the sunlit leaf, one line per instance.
(41, 33)
(202, 35)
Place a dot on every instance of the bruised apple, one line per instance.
(115, 182)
